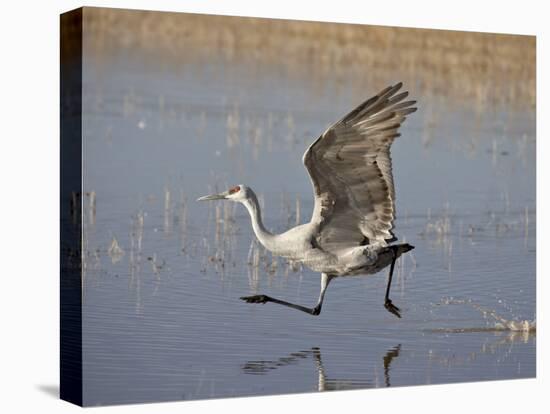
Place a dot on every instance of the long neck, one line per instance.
(265, 237)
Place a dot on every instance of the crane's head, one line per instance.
(237, 193)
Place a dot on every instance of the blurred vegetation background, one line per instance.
(481, 68)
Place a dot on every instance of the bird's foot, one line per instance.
(256, 299)
(316, 311)
(392, 308)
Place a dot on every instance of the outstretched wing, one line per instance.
(351, 171)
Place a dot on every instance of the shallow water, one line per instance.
(162, 319)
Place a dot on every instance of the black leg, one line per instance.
(264, 299)
(325, 280)
(387, 301)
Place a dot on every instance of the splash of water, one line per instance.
(500, 323)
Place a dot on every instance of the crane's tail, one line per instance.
(403, 248)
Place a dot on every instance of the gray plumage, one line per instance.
(351, 227)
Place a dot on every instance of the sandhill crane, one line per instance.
(351, 227)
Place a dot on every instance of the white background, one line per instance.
(29, 151)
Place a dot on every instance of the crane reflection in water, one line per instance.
(325, 383)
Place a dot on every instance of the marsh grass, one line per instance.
(483, 67)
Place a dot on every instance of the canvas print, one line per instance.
(259, 206)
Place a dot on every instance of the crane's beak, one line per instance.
(220, 196)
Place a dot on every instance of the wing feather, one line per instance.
(350, 168)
